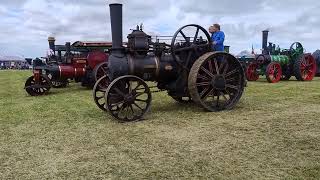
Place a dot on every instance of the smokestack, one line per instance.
(67, 58)
(116, 25)
(265, 40)
(51, 41)
(68, 48)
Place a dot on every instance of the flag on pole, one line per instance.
(252, 50)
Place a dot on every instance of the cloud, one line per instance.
(28, 23)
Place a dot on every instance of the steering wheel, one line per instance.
(296, 49)
(193, 46)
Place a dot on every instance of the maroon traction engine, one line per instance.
(83, 62)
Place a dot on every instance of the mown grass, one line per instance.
(273, 133)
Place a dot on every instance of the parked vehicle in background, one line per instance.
(82, 61)
(280, 64)
(316, 56)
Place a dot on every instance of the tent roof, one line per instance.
(12, 58)
(245, 53)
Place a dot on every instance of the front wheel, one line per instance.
(99, 91)
(128, 98)
(37, 87)
(216, 81)
(273, 72)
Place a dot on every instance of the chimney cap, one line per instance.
(50, 38)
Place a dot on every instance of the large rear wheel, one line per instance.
(216, 81)
(305, 68)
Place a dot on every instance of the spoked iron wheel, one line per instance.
(39, 88)
(99, 91)
(273, 72)
(100, 70)
(216, 81)
(251, 72)
(189, 43)
(128, 98)
(305, 68)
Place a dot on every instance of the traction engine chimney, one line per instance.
(116, 25)
(265, 42)
(51, 41)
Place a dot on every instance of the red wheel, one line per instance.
(251, 72)
(305, 68)
(273, 72)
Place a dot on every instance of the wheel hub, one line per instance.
(307, 68)
(129, 98)
(219, 82)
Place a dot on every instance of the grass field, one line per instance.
(273, 133)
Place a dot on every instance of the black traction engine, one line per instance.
(186, 68)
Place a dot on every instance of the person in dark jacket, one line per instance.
(217, 37)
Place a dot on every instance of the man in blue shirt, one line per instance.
(217, 37)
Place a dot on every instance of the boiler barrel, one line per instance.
(282, 59)
(152, 68)
(65, 71)
(149, 68)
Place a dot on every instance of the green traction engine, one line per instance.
(280, 64)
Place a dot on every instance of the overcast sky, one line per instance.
(26, 24)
